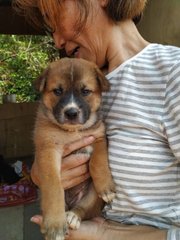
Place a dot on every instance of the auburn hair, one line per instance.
(119, 10)
(40, 12)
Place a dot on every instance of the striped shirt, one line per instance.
(142, 115)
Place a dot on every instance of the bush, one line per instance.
(22, 59)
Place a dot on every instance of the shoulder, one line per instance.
(160, 59)
(160, 52)
(153, 58)
(166, 53)
(167, 60)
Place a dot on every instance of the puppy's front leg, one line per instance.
(52, 193)
(100, 172)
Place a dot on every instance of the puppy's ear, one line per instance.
(40, 82)
(102, 80)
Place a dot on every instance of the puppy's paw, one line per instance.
(54, 230)
(73, 220)
(107, 192)
(108, 196)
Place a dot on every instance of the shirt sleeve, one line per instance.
(172, 110)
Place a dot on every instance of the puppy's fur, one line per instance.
(71, 98)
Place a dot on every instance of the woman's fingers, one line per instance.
(74, 160)
(37, 219)
(75, 170)
(75, 181)
(73, 146)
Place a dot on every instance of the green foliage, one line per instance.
(22, 59)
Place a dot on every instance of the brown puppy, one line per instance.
(71, 98)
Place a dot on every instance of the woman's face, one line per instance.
(90, 42)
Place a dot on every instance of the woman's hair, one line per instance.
(119, 10)
(46, 12)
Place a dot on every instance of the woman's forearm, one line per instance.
(100, 229)
(117, 231)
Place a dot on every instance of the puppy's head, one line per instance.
(71, 92)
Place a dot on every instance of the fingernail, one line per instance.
(34, 220)
(90, 139)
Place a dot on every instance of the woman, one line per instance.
(141, 111)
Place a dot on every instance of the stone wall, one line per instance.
(16, 129)
(160, 22)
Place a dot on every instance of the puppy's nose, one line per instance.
(71, 113)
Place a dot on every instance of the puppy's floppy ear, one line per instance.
(102, 80)
(40, 82)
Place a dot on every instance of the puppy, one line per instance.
(69, 110)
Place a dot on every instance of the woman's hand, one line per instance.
(74, 168)
(99, 228)
(89, 230)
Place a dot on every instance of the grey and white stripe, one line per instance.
(142, 115)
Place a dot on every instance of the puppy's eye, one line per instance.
(85, 91)
(58, 91)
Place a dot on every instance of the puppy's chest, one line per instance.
(68, 136)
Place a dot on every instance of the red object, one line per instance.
(22, 192)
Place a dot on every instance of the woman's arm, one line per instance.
(100, 229)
